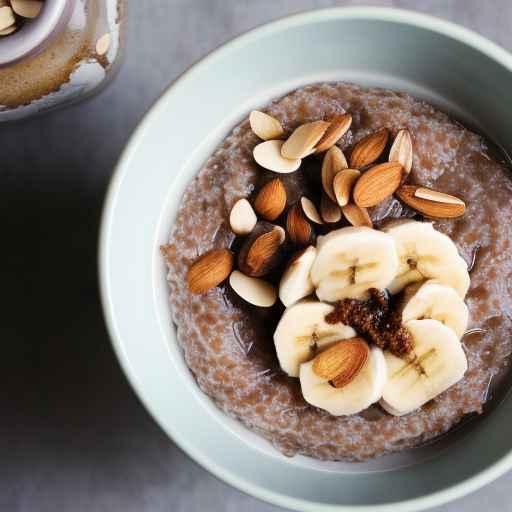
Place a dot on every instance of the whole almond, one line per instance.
(264, 126)
(356, 215)
(401, 150)
(329, 210)
(310, 211)
(209, 270)
(430, 202)
(341, 363)
(271, 200)
(268, 155)
(343, 184)
(334, 161)
(253, 290)
(298, 227)
(377, 183)
(262, 253)
(368, 149)
(303, 140)
(338, 127)
(242, 218)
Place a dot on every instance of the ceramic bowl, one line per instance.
(457, 70)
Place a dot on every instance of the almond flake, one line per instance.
(8, 30)
(356, 215)
(369, 148)
(377, 183)
(303, 140)
(268, 155)
(264, 126)
(103, 44)
(401, 150)
(271, 200)
(329, 210)
(242, 218)
(343, 184)
(438, 197)
(253, 290)
(334, 162)
(7, 18)
(310, 210)
(338, 127)
(27, 8)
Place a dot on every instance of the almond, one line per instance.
(253, 290)
(338, 127)
(268, 155)
(343, 184)
(310, 211)
(271, 200)
(401, 150)
(7, 18)
(329, 210)
(27, 8)
(430, 202)
(377, 183)
(103, 44)
(242, 218)
(303, 140)
(264, 126)
(261, 254)
(298, 227)
(209, 270)
(356, 215)
(341, 363)
(368, 149)
(334, 162)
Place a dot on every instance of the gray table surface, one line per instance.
(73, 436)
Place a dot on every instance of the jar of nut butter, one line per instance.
(56, 52)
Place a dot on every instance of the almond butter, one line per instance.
(304, 139)
(264, 126)
(368, 149)
(310, 211)
(343, 184)
(334, 161)
(430, 202)
(209, 270)
(341, 363)
(377, 183)
(339, 125)
(356, 215)
(299, 229)
(401, 150)
(268, 155)
(242, 218)
(253, 290)
(271, 200)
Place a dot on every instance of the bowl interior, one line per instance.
(450, 67)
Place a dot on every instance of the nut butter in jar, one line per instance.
(56, 52)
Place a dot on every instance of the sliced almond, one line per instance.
(264, 126)
(368, 149)
(343, 184)
(430, 202)
(310, 211)
(377, 183)
(338, 127)
(268, 155)
(262, 253)
(329, 210)
(334, 162)
(341, 363)
(401, 150)
(209, 270)
(27, 8)
(356, 215)
(103, 44)
(271, 200)
(296, 282)
(8, 30)
(298, 227)
(7, 18)
(253, 290)
(242, 218)
(303, 140)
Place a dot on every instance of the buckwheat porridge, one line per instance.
(339, 274)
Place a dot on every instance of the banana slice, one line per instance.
(296, 282)
(302, 331)
(425, 253)
(438, 302)
(364, 390)
(352, 260)
(436, 362)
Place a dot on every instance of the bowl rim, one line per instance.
(404, 16)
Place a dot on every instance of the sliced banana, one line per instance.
(364, 390)
(296, 282)
(425, 253)
(438, 302)
(436, 362)
(302, 331)
(352, 260)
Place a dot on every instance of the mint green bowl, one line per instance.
(455, 69)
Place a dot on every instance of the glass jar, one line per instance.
(65, 54)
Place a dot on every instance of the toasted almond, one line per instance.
(242, 218)
(368, 149)
(430, 202)
(8, 30)
(103, 44)
(253, 290)
(329, 210)
(343, 184)
(341, 363)
(264, 126)
(262, 255)
(377, 183)
(401, 150)
(209, 270)
(27, 8)
(268, 155)
(338, 127)
(356, 215)
(310, 211)
(271, 200)
(298, 227)
(334, 162)
(304, 139)
(7, 18)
